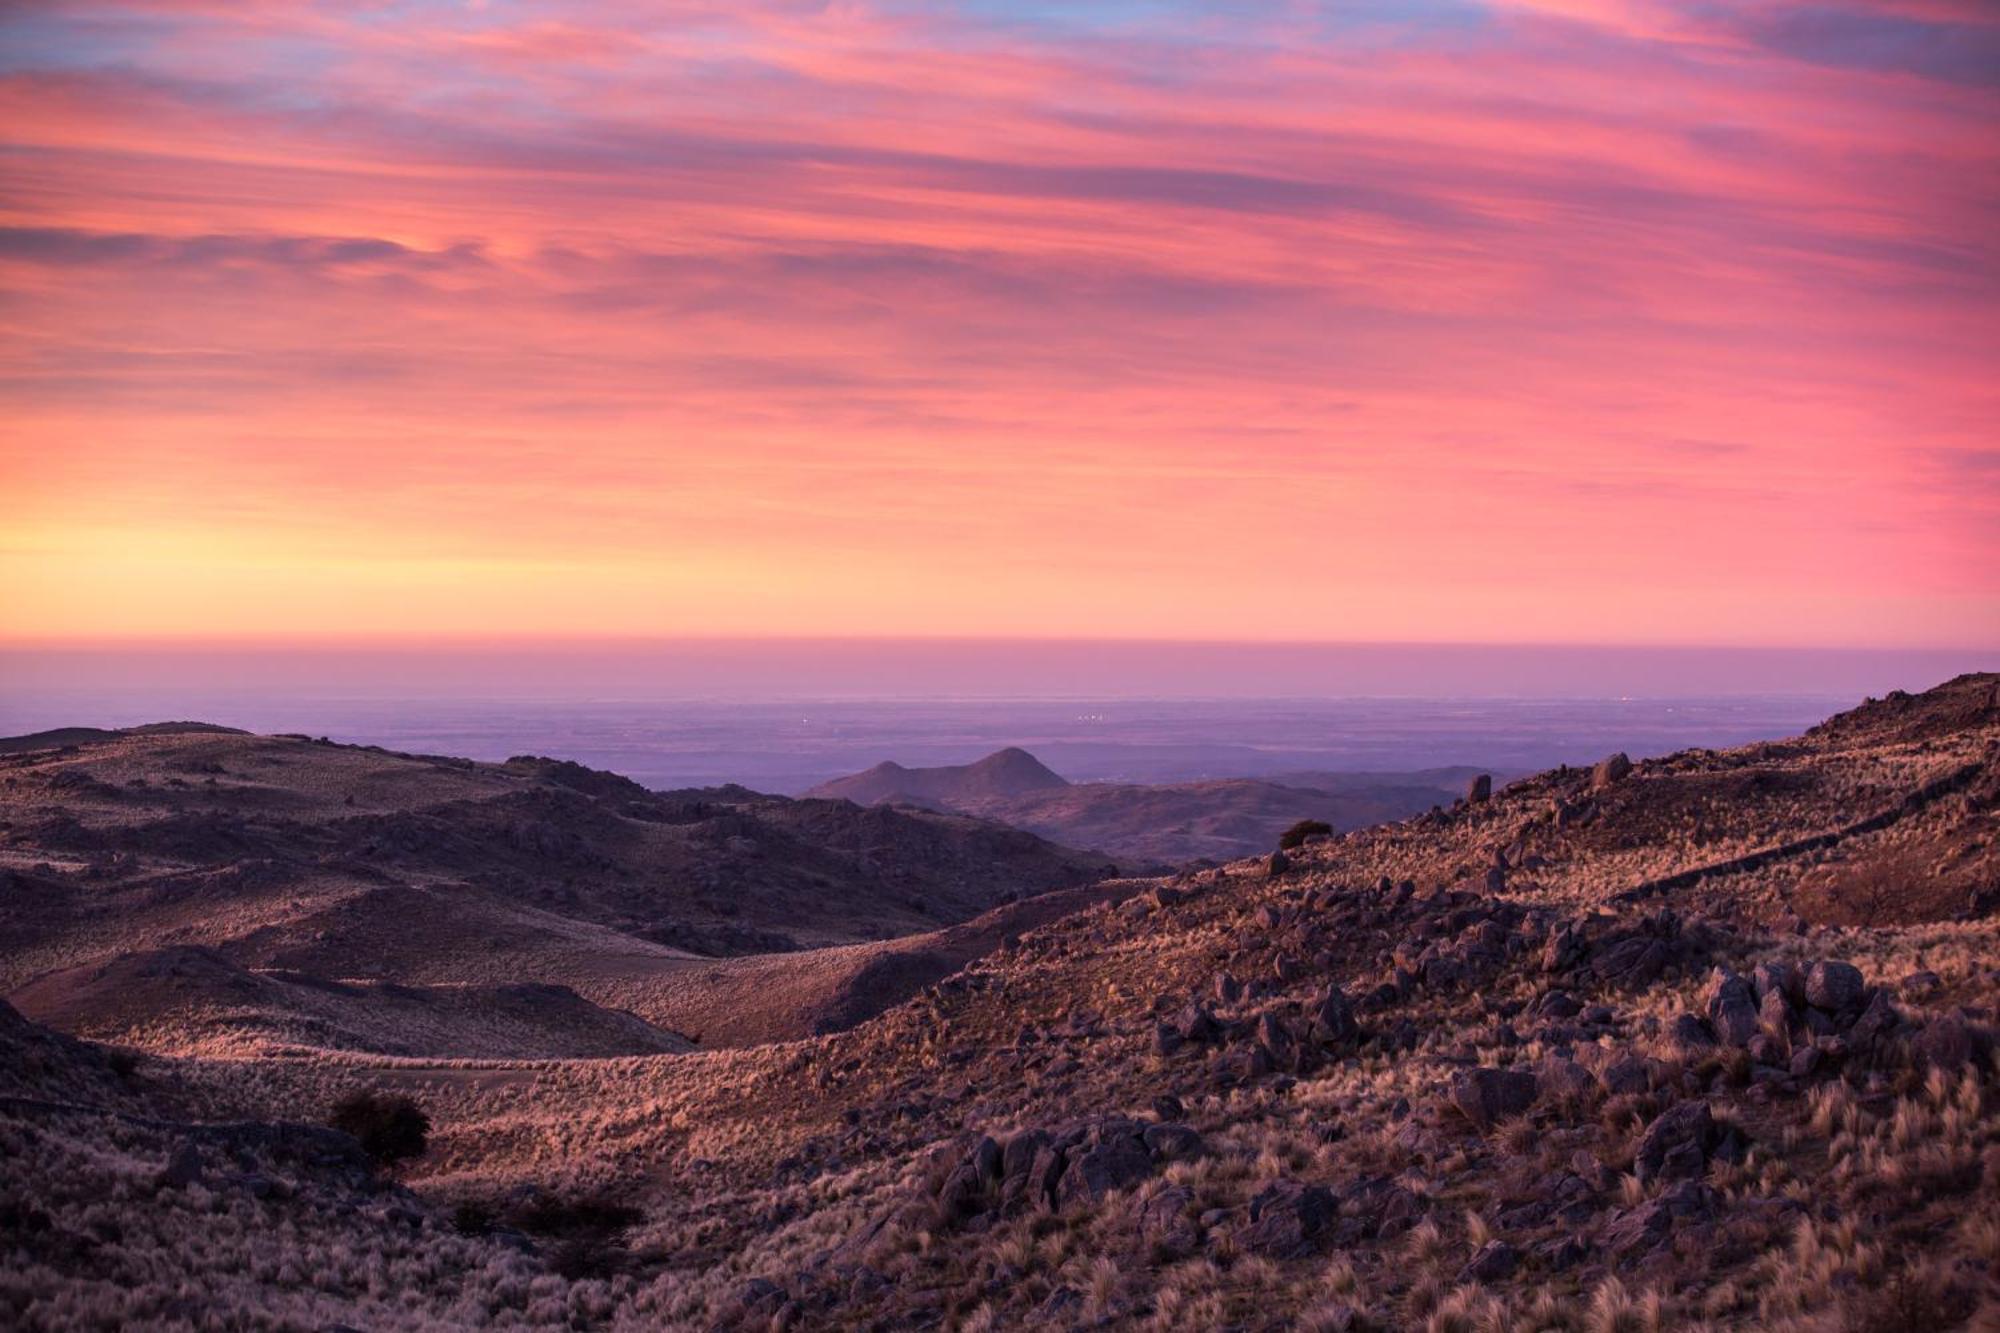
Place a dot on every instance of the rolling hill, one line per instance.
(1701, 1041)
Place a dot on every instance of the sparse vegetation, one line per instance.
(390, 1127)
(1641, 1152)
(1296, 836)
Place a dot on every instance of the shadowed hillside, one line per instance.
(312, 880)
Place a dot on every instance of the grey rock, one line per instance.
(1289, 1219)
(1486, 1096)
(1611, 769)
(1834, 986)
(1112, 1157)
(1690, 1033)
(1732, 1009)
(1173, 1143)
(1677, 1144)
(1495, 1262)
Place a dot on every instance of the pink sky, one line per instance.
(1565, 320)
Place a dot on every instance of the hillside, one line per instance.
(1158, 825)
(322, 877)
(1701, 1041)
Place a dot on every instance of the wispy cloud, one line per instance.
(874, 299)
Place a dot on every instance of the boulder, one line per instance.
(1644, 1228)
(1691, 1034)
(1779, 978)
(1481, 789)
(1111, 1157)
(1173, 1143)
(1677, 1144)
(1495, 1262)
(1486, 1096)
(1163, 1219)
(1633, 963)
(1613, 769)
(1732, 1008)
(1878, 1020)
(1030, 1166)
(1289, 1219)
(1333, 1018)
(1834, 986)
(1195, 1024)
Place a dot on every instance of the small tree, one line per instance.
(389, 1126)
(1296, 835)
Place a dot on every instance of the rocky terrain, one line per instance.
(1156, 826)
(1701, 1041)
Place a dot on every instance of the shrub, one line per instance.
(390, 1126)
(1296, 835)
(472, 1218)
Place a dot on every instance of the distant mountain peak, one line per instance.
(1009, 772)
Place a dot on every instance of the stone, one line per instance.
(1195, 1024)
(1732, 1009)
(963, 1192)
(1564, 1080)
(1626, 1076)
(1163, 1219)
(1289, 1219)
(1495, 1262)
(1633, 963)
(1279, 863)
(1333, 1017)
(1481, 789)
(1029, 1169)
(1878, 1020)
(1112, 1157)
(1557, 1004)
(1486, 1096)
(1173, 1143)
(1774, 1015)
(1228, 990)
(1781, 979)
(1690, 1033)
(1834, 986)
(1610, 770)
(1677, 1144)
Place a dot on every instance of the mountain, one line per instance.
(1701, 1040)
(1154, 825)
(1003, 774)
(288, 868)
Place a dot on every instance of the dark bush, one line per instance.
(1296, 835)
(472, 1218)
(590, 1256)
(390, 1126)
(122, 1062)
(566, 1217)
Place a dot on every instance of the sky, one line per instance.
(1514, 321)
